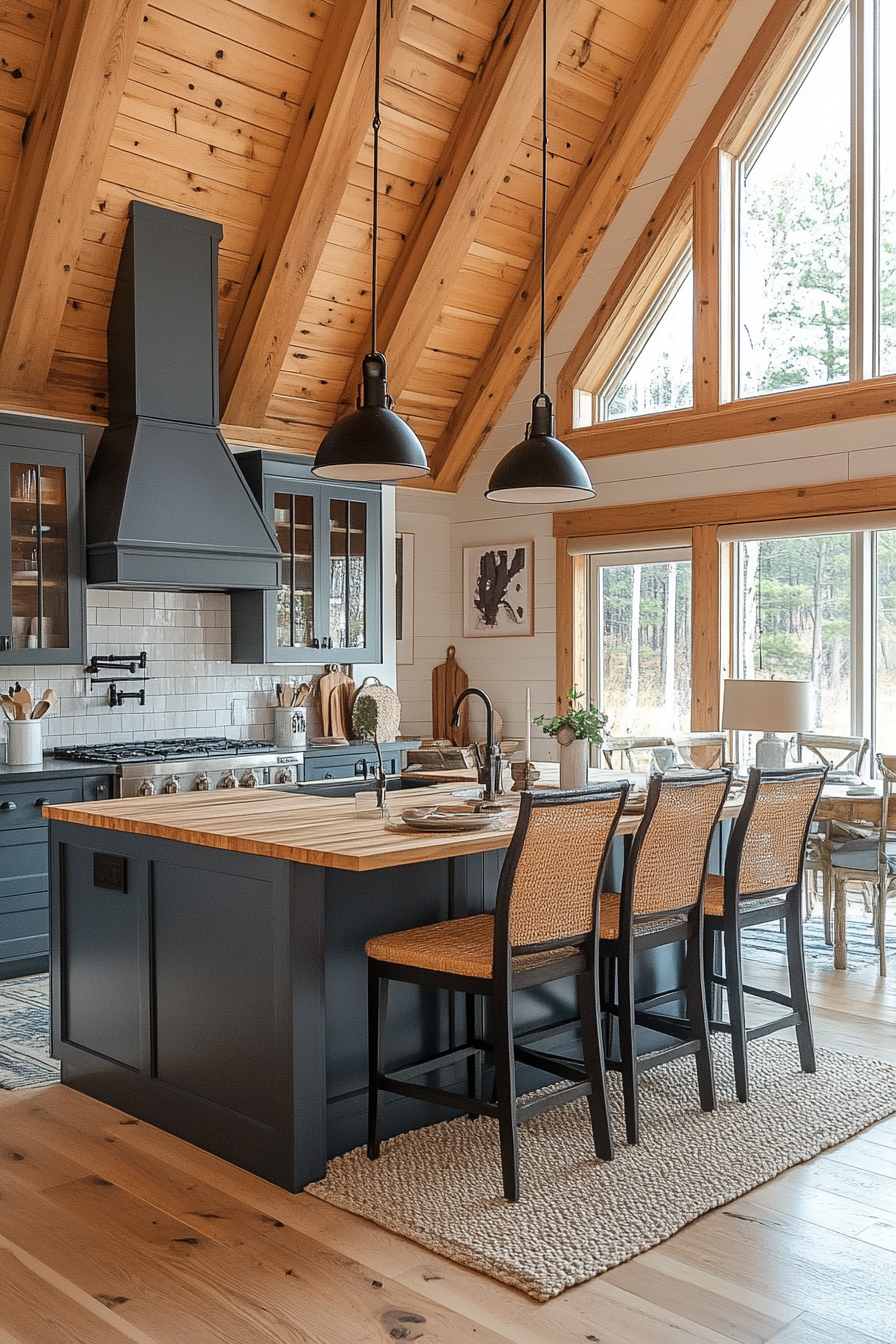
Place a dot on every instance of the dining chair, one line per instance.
(871, 860)
(661, 902)
(701, 751)
(845, 756)
(544, 928)
(657, 751)
(762, 882)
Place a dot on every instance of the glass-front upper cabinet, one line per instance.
(41, 526)
(329, 606)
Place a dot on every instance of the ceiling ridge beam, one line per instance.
(87, 56)
(647, 100)
(503, 98)
(331, 123)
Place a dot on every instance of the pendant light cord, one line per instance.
(544, 179)
(376, 172)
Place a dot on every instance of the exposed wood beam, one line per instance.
(502, 100)
(670, 58)
(88, 53)
(748, 506)
(329, 132)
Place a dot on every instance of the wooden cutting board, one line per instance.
(448, 680)
(336, 692)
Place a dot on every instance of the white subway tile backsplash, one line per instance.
(190, 682)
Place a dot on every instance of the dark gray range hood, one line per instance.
(167, 505)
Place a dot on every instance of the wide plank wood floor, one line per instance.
(112, 1231)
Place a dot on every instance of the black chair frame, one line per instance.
(783, 904)
(691, 1032)
(585, 1078)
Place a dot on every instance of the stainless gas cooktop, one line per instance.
(171, 765)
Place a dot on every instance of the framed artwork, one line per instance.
(404, 597)
(498, 589)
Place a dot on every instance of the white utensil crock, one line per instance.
(289, 728)
(24, 743)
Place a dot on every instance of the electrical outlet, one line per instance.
(239, 711)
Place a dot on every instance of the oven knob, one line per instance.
(201, 782)
(171, 785)
(283, 777)
(227, 781)
(249, 780)
(145, 789)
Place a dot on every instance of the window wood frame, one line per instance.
(707, 179)
(710, 568)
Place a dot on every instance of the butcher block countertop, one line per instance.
(322, 831)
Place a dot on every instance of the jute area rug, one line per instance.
(577, 1217)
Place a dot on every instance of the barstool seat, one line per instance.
(457, 947)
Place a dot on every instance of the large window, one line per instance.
(822, 607)
(793, 325)
(885, 641)
(790, 273)
(794, 618)
(640, 636)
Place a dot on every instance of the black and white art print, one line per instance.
(498, 589)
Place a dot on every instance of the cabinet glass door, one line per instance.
(39, 556)
(294, 525)
(348, 574)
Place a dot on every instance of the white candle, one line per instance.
(528, 724)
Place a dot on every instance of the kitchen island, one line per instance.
(208, 965)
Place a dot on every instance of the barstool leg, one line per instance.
(593, 1056)
(628, 1058)
(474, 1061)
(736, 1014)
(799, 993)
(699, 1024)
(505, 1095)
(377, 1004)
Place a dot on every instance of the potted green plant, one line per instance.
(576, 732)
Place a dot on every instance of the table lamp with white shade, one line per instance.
(770, 707)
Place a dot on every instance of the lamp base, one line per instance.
(771, 752)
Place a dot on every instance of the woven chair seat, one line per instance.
(714, 899)
(455, 947)
(609, 919)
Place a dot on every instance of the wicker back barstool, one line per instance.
(662, 902)
(762, 882)
(543, 929)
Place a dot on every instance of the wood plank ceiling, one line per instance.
(256, 113)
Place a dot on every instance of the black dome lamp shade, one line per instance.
(541, 469)
(372, 443)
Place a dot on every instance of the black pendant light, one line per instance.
(372, 443)
(541, 469)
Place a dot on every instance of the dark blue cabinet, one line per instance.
(24, 926)
(329, 606)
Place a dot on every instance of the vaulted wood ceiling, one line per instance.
(256, 113)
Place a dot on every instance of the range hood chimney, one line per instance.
(167, 506)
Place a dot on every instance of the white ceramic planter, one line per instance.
(574, 758)
(24, 742)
